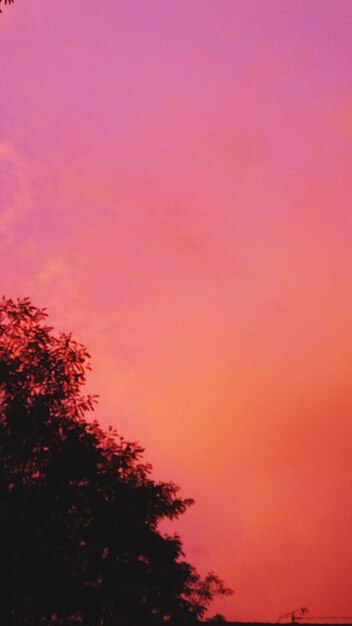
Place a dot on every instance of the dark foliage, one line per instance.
(79, 512)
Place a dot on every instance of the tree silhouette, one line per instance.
(79, 511)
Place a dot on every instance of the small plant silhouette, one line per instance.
(294, 616)
(6, 2)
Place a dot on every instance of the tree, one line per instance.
(5, 2)
(79, 511)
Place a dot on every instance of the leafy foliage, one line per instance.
(79, 511)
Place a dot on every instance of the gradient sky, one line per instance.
(176, 185)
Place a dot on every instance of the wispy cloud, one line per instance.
(16, 196)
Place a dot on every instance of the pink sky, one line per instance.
(176, 188)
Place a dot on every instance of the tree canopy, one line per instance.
(79, 511)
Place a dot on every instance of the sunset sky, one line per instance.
(176, 189)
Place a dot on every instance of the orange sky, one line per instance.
(176, 188)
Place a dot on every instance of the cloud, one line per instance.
(16, 196)
(344, 120)
(52, 270)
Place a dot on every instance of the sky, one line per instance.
(175, 188)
